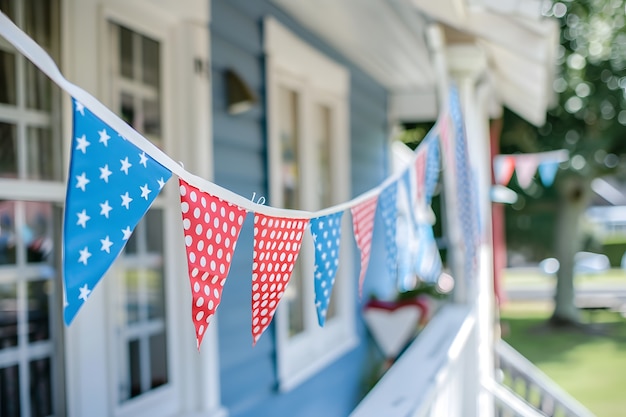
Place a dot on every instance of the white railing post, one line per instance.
(467, 64)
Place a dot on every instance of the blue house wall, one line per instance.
(248, 375)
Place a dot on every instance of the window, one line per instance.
(141, 345)
(309, 169)
(30, 188)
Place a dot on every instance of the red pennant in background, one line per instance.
(503, 167)
(211, 226)
(277, 243)
(363, 223)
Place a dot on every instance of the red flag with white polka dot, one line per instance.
(211, 226)
(277, 243)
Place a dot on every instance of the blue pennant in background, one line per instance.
(389, 211)
(433, 167)
(469, 216)
(326, 231)
(547, 172)
(111, 185)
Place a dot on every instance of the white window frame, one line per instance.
(182, 28)
(293, 63)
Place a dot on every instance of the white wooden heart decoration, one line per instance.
(392, 329)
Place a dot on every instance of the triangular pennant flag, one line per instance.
(277, 243)
(363, 223)
(406, 219)
(420, 172)
(427, 260)
(525, 168)
(111, 185)
(503, 167)
(432, 168)
(547, 172)
(389, 210)
(326, 231)
(211, 226)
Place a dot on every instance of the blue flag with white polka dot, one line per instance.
(389, 210)
(326, 231)
(111, 185)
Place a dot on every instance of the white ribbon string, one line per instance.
(38, 56)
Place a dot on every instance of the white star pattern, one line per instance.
(127, 233)
(104, 137)
(82, 219)
(82, 181)
(84, 292)
(103, 204)
(80, 108)
(82, 144)
(84, 255)
(106, 244)
(105, 173)
(125, 165)
(126, 200)
(145, 191)
(106, 208)
(161, 183)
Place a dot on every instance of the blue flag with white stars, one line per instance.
(326, 231)
(389, 210)
(111, 185)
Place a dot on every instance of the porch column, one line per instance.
(467, 64)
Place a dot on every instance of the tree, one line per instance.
(589, 121)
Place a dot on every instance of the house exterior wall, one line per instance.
(248, 375)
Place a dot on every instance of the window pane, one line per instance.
(152, 118)
(8, 84)
(132, 296)
(8, 316)
(158, 360)
(324, 166)
(7, 8)
(7, 233)
(288, 125)
(38, 88)
(8, 150)
(134, 368)
(38, 22)
(128, 110)
(150, 61)
(43, 157)
(40, 388)
(9, 392)
(294, 298)
(126, 52)
(38, 310)
(37, 233)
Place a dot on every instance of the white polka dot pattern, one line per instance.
(211, 226)
(363, 224)
(326, 231)
(277, 243)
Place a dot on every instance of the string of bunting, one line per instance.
(526, 165)
(115, 174)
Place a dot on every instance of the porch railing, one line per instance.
(521, 378)
(438, 366)
(438, 375)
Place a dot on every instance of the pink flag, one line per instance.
(363, 224)
(420, 173)
(525, 168)
(211, 226)
(277, 244)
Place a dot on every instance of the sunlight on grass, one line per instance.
(590, 367)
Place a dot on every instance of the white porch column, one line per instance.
(467, 64)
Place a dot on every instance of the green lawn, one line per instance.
(590, 367)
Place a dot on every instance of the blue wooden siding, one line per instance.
(248, 375)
